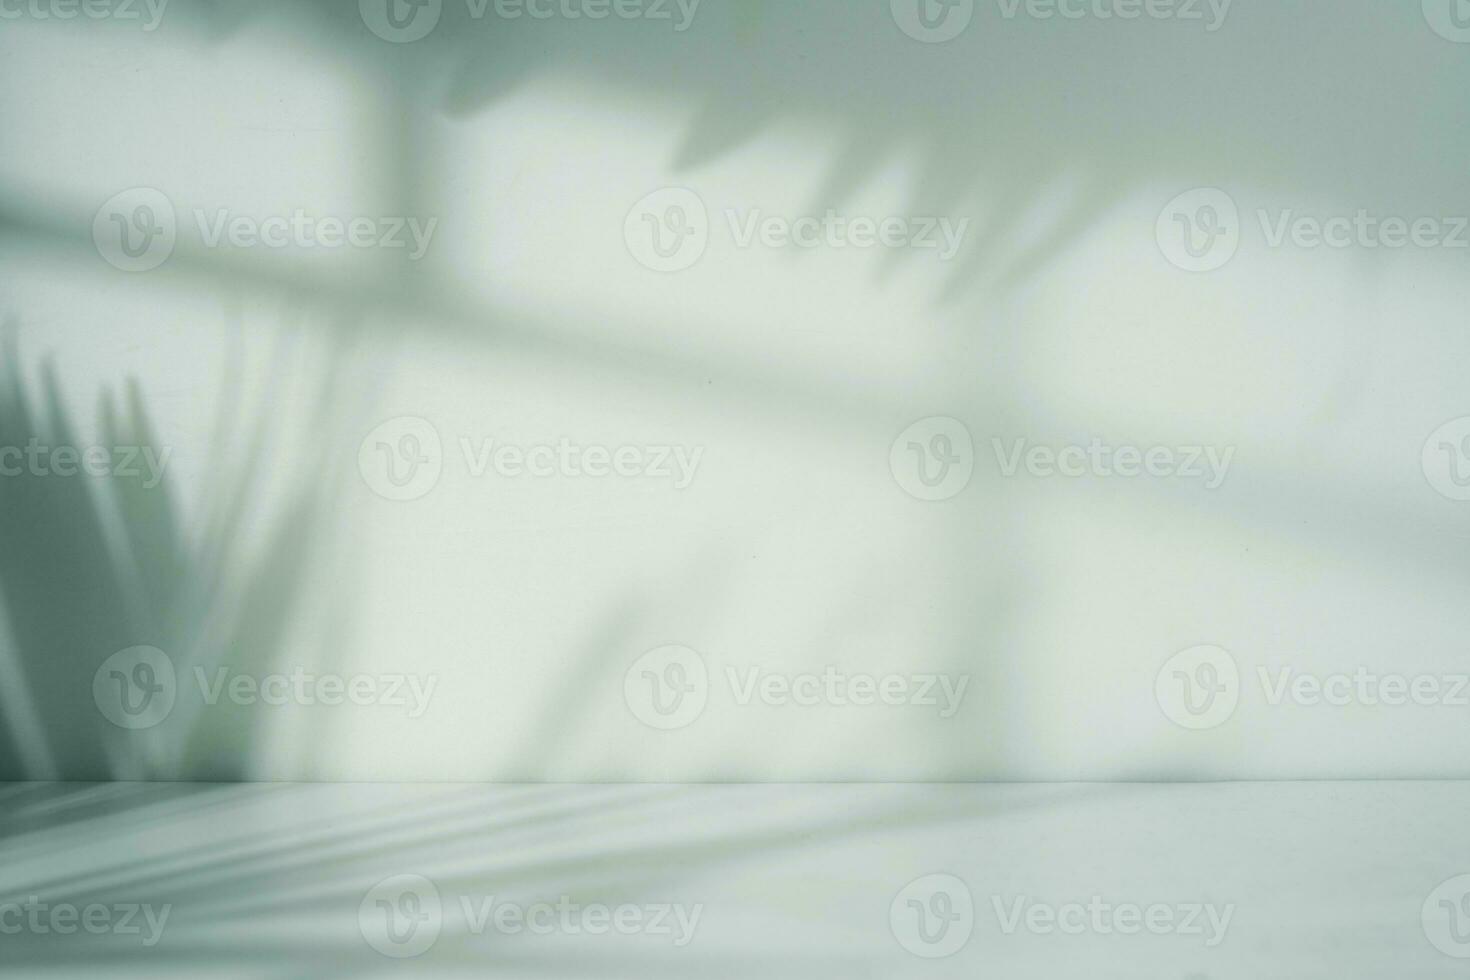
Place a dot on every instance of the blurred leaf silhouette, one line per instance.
(93, 565)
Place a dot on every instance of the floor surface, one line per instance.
(1219, 881)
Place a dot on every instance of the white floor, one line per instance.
(1258, 881)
